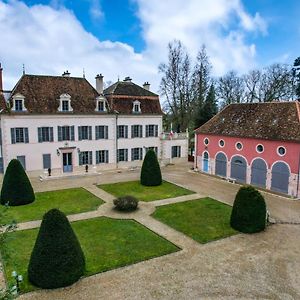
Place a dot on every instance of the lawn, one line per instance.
(145, 193)
(70, 201)
(203, 220)
(107, 244)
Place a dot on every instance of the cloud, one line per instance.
(50, 39)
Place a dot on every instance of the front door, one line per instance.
(67, 162)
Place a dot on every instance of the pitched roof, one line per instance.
(270, 121)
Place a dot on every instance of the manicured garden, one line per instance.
(106, 243)
(145, 193)
(69, 201)
(203, 220)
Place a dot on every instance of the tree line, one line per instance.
(193, 95)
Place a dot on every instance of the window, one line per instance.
(22, 160)
(18, 105)
(65, 133)
(84, 133)
(176, 151)
(239, 146)
(221, 143)
(206, 141)
(136, 154)
(19, 135)
(65, 105)
(85, 158)
(151, 130)
(281, 151)
(45, 134)
(136, 107)
(100, 105)
(136, 131)
(260, 148)
(155, 149)
(46, 161)
(122, 155)
(122, 131)
(101, 132)
(101, 156)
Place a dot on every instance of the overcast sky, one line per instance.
(129, 37)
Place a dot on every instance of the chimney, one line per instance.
(1, 82)
(146, 86)
(66, 74)
(99, 83)
(127, 79)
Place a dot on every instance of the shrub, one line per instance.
(57, 259)
(126, 203)
(150, 173)
(249, 211)
(16, 188)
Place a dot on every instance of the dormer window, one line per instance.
(136, 107)
(18, 103)
(65, 103)
(101, 104)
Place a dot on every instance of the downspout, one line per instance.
(195, 152)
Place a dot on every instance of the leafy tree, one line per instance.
(296, 75)
(57, 259)
(249, 211)
(16, 188)
(150, 173)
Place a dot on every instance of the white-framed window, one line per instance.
(206, 141)
(18, 103)
(84, 133)
(122, 131)
(136, 131)
(65, 133)
(102, 157)
(239, 146)
(85, 158)
(101, 104)
(281, 151)
(259, 148)
(221, 143)
(101, 132)
(65, 103)
(45, 134)
(136, 108)
(122, 155)
(176, 151)
(19, 135)
(136, 154)
(151, 130)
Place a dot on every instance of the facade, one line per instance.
(64, 123)
(257, 144)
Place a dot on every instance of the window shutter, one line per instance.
(40, 137)
(72, 133)
(97, 132)
(90, 133)
(80, 158)
(106, 132)
(79, 133)
(118, 129)
(59, 133)
(141, 154)
(97, 157)
(26, 135)
(147, 130)
(156, 130)
(106, 156)
(51, 134)
(132, 131)
(13, 135)
(126, 155)
(90, 157)
(118, 155)
(132, 154)
(140, 131)
(126, 131)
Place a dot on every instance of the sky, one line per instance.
(120, 38)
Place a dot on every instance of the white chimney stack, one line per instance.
(66, 74)
(146, 86)
(99, 83)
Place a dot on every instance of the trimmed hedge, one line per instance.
(249, 211)
(126, 203)
(57, 259)
(150, 173)
(16, 188)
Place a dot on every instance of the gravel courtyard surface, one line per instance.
(259, 266)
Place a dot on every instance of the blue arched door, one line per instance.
(205, 164)
(238, 169)
(221, 165)
(259, 172)
(280, 177)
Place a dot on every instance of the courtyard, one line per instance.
(240, 266)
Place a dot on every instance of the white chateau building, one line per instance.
(64, 123)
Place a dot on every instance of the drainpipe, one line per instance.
(195, 152)
(117, 115)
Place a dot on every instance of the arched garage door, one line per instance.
(238, 169)
(221, 165)
(259, 172)
(280, 177)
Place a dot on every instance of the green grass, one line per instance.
(70, 201)
(203, 220)
(107, 244)
(145, 193)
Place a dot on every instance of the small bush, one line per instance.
(57, 259)
(150, 173)
(126, 203)
(249, 211)
(16, 188)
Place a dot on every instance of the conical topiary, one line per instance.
(57, 259)
(150, 173)
(16, 188)
(249, 211)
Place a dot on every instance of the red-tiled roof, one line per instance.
(270, 121)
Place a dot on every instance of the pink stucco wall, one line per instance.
(249, 152)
